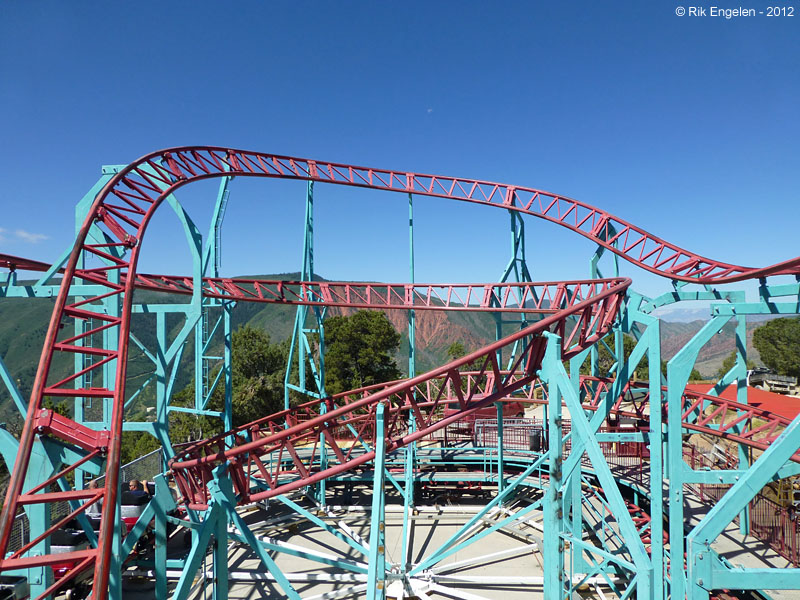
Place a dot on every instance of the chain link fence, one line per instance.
(518, 434)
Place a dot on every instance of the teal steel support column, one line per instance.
(376, 574)
(409, 501)
(221, 490)
(82, 361)
(163, 504)
(162, 385)
(678, 370)
(595, 273)
(741, 397)
(411, 450)
(301, 347)
(656, 460)
(219, 552)
(227, 365)
(200, 541)
(574, 500)
(558, 381)
(500, 456)
(555, 585)
(517, 268)
(651, 339)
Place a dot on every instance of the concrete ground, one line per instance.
(505, 564)
(497, 566)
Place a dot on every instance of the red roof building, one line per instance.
(786, 406)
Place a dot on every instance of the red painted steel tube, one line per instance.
(638, 246)
(527, 297)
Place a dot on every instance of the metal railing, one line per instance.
(771, 522)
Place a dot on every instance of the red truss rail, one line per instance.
(536, 297)
(15, 263)
(282, 459)
(540, 297)
(125, 206)
(180, 165)
(592, 304)
(703, 413)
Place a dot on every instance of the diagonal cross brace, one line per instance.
(699, 541)
(553, 370)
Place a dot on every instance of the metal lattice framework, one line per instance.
(121, 212)
(591, 320)
(530, 297)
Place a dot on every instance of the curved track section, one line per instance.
(122, 211)
(296, 449)
(181, 165)
(590, 306)
(256, 452)
(527, 297)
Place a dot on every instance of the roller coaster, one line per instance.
(390, 438)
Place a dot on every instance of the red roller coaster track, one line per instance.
(530, 297)
(123, 209)
(580, 325)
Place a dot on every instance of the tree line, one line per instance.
(358, 353)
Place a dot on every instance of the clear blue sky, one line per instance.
(685, 126)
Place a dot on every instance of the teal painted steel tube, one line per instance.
(741, 397)
(409, 501)
(13, 389)
(553, 519)
(163, 504)
(376, 574)
(410, 464)
(219, 553)
(678, 370)
(656, 461)
(510, 489)
(355, 544)
(553, 371)
(222, 492)
(272, 545)
(500, 454)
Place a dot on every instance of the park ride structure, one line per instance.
(298, 448)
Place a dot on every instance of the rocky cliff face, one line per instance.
(435, 329)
